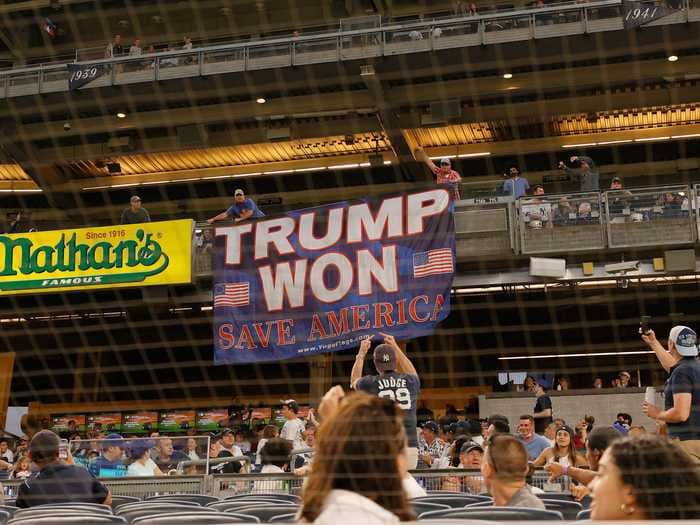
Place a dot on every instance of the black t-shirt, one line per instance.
(401, 388)
(171, 463)
(685, 379)
(58, 483)
(541, 423)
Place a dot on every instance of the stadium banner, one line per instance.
(636, 13)
(321, 279)
(82, 74)
(148, 254)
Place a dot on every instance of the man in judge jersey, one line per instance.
(397, 380)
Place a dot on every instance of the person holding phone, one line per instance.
(681, 412)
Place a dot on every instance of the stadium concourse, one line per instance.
(361, 261)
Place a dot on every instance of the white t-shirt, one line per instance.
(139, 469)
(234, 450)
(293, 431)
(258, 457)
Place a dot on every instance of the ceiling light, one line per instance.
(260, 100)
(690, 135)
(672, 58)
(508, 75)
(343, 166)
(650, 139)
(607, 142)
(121, 115)
(317, 168)
(579, 145)
(466, 155)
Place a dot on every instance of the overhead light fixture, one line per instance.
(260, 100)
(672, 58)
(121, 115)
(507, 76)
(467, 155)
(651, 139)
(206, 308)
(590, 354)
(585, 144)
(608, 142)
(690, 135)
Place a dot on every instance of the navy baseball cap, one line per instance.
(685, 339)
(469, 446)
(432, 426)
(114, 440)
(385, 358)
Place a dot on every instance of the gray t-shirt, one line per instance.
(525, 498)
(137, 216)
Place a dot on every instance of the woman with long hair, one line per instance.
(360, 459)
(645, 478)
(563, 451)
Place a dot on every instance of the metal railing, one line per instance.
(405, 38)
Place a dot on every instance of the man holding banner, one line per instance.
(397, 380)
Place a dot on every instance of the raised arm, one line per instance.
(665, 358)
(403, 363)
(356, 373)
(422, 156)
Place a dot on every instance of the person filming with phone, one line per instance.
(58, 481)
(681, 412)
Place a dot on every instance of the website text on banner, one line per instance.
(153, 253)
(320, 279)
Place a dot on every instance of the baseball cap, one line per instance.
(139, 446)
(226, 432)
(469, 446)
(616, 179)
(384, 358)
(238, 192)
(685, 340)
(291, 404)
(432, 426)
(114, 440)
(445, 161)
(135, 198)
(625, 373)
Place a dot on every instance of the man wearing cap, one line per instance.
(109, 464)
(228, 443)
(430, 446)
(587, 174)
(293, 429)
(397, 380)
(471, 455)
(135, 214)
(516, 185)
(57, 482)
(682, 391)
(625, 379)
(444, 173)
(243, 208)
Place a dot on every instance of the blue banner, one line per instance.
(320, 279)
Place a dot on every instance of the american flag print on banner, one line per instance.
(232, 294)
(433, 262)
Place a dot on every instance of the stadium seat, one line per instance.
(162, 508)
(232, 506)
(566, 496)
(121, 500)
(4, 517)
(9, 509)
(267, 512)
(265, 495)
(495, 514)
(453, 501)
(480, 504)
(64, 519)
(584, 515)
(88, 507)
(289, 518)
(201, 499)
(56, 511)
(569, 509)
(419, 507)
(195, 518)
(143, 504)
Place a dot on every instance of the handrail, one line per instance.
(428, 24)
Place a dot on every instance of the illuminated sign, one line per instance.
(153, 253)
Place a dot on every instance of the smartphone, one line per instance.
(644, 324)
(63, 449)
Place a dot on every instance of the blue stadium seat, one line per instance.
(161, 508)
(265, 495)
(195, 518)
(201, 499)
(68, 519)
(232, 506)
(454, 500)
(419, 507)
(121, 500)
(569, 509)
(267, 512)
(495, 514)
(290, 518)
(584, 515)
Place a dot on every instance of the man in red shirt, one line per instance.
(444, 172)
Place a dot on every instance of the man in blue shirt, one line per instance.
(243, 208)
(534, 443)
(110, 464)
(516, 186)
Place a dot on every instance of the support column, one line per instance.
(7, 364)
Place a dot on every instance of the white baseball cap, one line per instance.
(685, 340)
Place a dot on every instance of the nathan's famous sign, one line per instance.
(105, 257)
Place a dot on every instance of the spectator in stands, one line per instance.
(168, 457)
(269, 432)
(637, 430)
(587, 172)
(530, 384)
(625, 419)
(187, 43)
(616, 183)
(497, 424)
(645, 478)
(136, 50)
(598, 383)
(444, 173)
(276, 455)
(424, 414)
(191, 449)
(682, 391)
(110, 463)
(542, 410)
(472, 10)
(142, 464)
(564, 212)
(516, 186)
(397, 379)
(293, 429)
(115, 48)
(415, 35)
(135, 213)
(562, 452)
(504, 469)
(430, 447)
(598, 441)
(22, 468)
(550, 433)
(243, 208)
(538, 191)
(228, 439)
(615, 382)
(564, 383)
(57, 482)
(17, 224)
(534, 443)
(242, 441)
(5, 453)
(625, 379)
(455, 483)
(360, 463)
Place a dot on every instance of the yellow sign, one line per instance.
(145, 254)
